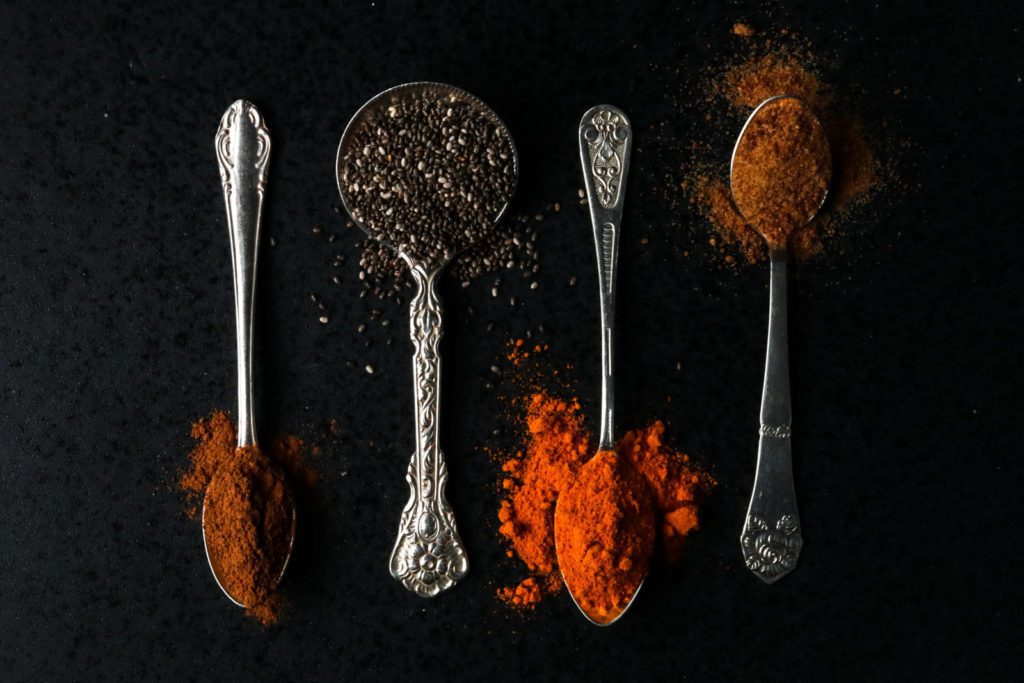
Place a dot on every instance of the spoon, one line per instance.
(606, 139)
(428, 556)
(771, 538)
(243, 152)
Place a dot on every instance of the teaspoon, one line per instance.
(771, 538)
(606, 139)
(428, 556)
(243, 152)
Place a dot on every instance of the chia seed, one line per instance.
(428, 176)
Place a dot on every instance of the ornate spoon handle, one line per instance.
(771, 538)
(429, 556)
(606, 139)
(243, 151)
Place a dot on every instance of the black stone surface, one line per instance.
(116, 332)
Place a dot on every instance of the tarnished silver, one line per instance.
(428, 556)
(771, 538)
(606, 139)
(243, 152)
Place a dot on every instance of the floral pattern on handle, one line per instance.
(428, 557)
(606, 136)
(771, 552)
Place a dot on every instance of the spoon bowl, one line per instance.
(758, 125)
(378, 105)
(618, 487)
(217, 570)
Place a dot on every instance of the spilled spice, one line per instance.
(555, 444)
(248, 520)
(676, 485)
(773, 66)
(743, 30)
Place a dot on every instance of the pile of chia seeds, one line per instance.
(428, 176)
(511, 247)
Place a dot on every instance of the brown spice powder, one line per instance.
(245, 512)
(781, 169)
(775, 68)
(248, 521)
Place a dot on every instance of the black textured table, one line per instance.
(117, 331)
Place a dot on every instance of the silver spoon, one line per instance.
(771, 538)
(243, 152)
(606, 139)
(428, 556)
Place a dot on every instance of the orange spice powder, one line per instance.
(556, 442)
(604, 535)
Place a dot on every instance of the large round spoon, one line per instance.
(606, 139)
(243, 152)
(428, 555)
(778, 188)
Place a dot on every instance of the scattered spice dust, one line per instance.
(743, 30)
(554, 444)
(778, 65)
(247, 483)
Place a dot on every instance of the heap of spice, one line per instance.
(781, 169)
(777, 66)
(429, 176)
(248, 524)
(247, 515)
(556, 443)
(604, 535)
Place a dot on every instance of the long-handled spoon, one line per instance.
(771, 538)
(606, 139)
(243, 152)
(428, 556)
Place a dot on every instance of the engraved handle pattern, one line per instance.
(606, 139)
(771, 538)
(243, 152)
(428, 557)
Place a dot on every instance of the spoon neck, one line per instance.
(778, 253)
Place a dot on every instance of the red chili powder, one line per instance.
(555, 443)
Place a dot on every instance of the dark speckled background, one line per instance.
(116, 332)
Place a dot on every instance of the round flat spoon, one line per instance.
(428, 555)
(243, 152)
(777, 204)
